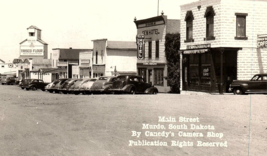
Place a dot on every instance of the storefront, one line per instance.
(208, 69)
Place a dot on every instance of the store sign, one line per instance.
(198, 46)
(262, 41)
(197, 51)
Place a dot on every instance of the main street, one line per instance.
(40, 123)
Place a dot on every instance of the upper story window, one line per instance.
(209, 15)
(150, 49)
(241, 26)
(31, 33)
(157, 49)
(189, 26)
(96, 57)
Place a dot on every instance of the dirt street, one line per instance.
(40, 123)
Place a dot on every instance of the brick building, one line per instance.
(219, 43)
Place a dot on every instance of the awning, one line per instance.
(195, 51)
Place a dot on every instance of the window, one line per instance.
(189, 26)
(144, 50)
(96, 55)
(157, 49)
(241, 26)
(31, 33)
(158, 77)
(209, 15)
(150, 49)
(102, 54)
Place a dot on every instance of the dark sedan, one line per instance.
(258, 84)
(132, 84)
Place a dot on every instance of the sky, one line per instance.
(75, 23)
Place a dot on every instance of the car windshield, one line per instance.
(121, 78)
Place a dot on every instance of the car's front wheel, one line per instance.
(238, 91)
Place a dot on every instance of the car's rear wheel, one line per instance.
(154, 92)
(238, 91)
(22, 87)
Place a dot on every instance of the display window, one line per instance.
(158, 76)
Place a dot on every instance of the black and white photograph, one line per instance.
(133, 78)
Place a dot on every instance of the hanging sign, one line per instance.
(140, 41)
(262, 41)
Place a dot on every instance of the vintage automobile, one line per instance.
(35, 84)
(24, 82)
(8, 81)
(103, 84)
(74, 89)
(86, 86)
(257, 84)
(132, 84)
(56, 86)
(64, 88)
(50, 85)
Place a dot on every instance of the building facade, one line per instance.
(153, 65)
(219, 43)
(66, 60)
(85, 64)
(113, 58)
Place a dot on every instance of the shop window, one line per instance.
(241, 26)
(157, 49)
(189, 26)
(158, 77)
(209, 15)
(150, 49)
(31, 33)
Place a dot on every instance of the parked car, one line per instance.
(51, 85)
(103, 84)
(257, 84)
(35, 84)
(66, 85)
(74, 89)
(8, 81)
(132, 84)
(54, 88)
(85, 87)
(24, 82)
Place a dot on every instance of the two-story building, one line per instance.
(85, 64)
(114, 58)
(66, 60)
(219, 43)
(153, 64)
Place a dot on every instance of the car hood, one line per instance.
(240, 81)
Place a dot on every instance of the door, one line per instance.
(150, 78)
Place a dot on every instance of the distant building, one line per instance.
(153, 66)
(66, 60)
(33, 46)
(222, 41)
(114, 57)
(85, 64)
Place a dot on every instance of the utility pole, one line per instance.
(158, 7)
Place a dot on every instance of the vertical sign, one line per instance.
(140, 41)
